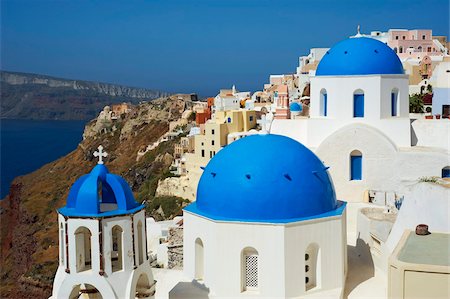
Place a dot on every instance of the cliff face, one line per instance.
(34, 96)
(29, 234)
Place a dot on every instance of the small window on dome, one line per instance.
(323, 103)
(250, 269)
(394, 102)
(358, 103)
(312, 265)
(356, 166)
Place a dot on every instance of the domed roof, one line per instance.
(265, 178)
(100, 194)
(295, 107)
(359, 56)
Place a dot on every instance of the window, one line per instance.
(61, 243)
(358, 104)
(419, 48)
(212, 131)
(251, 118)
(312, 264)
(446, 172)
(212, 142)
(83, 249)
(199, 264)
(445, 111)
(404, 37)
(210, 154)
(396, 37)
(429, 49)
(203, 153)
(249, 263)
(394, 102)
(400, 50)
(356, 166)
(323, 102)
(116, 252)
(423, 36)
(229, 120)
(140, 242)
(395, 50)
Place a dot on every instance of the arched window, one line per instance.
(140, 242)
(446, 172)
(83, 249)
(143, 287)
(419, 48)
(61, 243)
(199, 260)
(117, 249)
(400, 49)
(249, 269)
(394, 102)
(323, 102)
(358, 103)
(395, 49)
(356, 166)
(312, 267)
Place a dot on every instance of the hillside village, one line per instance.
(345, 161)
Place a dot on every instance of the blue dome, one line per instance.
(295, 107)
(100, 194)
(359, 56)
(265, 178)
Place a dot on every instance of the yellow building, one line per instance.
(214, 137)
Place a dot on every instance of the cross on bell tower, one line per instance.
(100, 154)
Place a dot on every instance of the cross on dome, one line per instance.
(100, 154)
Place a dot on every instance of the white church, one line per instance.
(243, 239)
(360, 125)
(102, 240)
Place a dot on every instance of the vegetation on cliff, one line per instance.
(29, 236)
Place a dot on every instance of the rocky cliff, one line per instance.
(29, 236)
(33, 96)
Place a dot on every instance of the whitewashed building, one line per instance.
(266, 223)
(102, 240)
(359, 122)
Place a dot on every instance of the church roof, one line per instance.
(359, 56)
(100, 194)
(265, 178)
(295, 107)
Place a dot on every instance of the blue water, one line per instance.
(26, 145)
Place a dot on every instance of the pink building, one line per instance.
(282, 100)
(413, 43)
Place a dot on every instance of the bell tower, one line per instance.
(102, 240)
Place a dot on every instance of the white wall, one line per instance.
(385, 167)
(281, 249)
(120, 284)
(432, 132)
(377, 106)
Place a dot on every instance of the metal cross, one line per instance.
(100, 154)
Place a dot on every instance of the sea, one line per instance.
(26, 145)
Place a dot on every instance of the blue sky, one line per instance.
(191, 46)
